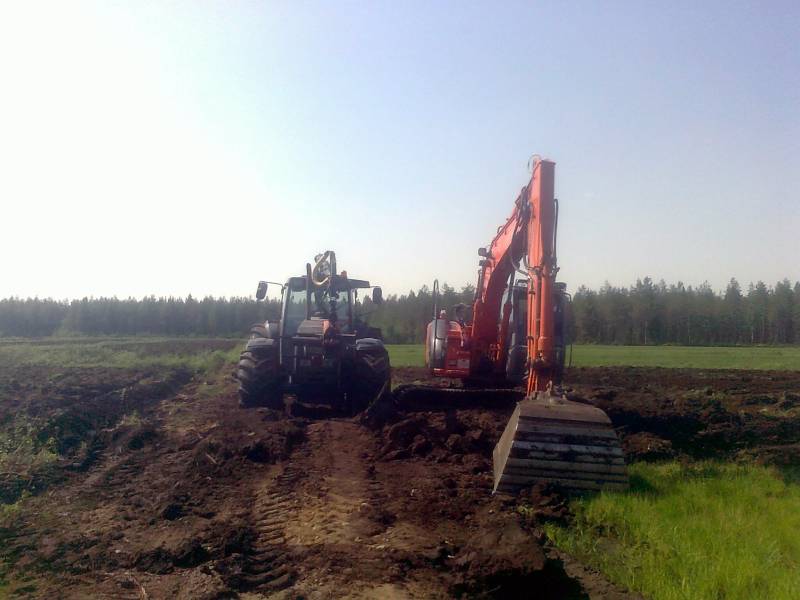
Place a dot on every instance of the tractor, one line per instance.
(321, 350)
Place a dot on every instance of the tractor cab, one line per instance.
(319, 329)
(334, 303)
(320, 348)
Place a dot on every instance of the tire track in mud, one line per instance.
(267, 564)
(340, 513)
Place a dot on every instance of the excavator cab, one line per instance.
(517, 351)
(447, 352)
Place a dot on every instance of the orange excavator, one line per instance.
(516, 337)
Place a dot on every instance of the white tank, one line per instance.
(436, 343)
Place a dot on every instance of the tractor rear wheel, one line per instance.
(259, 381)
(372, 376)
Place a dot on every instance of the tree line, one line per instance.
(657, 313)
(209, 316)
(644, 313)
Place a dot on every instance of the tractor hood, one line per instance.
(313, 327)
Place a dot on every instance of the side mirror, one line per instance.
(377, 295)
(483, 252)
(261, 292)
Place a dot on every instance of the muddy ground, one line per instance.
(193, 498)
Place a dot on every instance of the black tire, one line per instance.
(259, 380)
(372, 375)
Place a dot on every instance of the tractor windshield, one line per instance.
(324, 303)
(297, 309)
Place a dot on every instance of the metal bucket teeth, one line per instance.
(551, 439)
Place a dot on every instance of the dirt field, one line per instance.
(194, 498)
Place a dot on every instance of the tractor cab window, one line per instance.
(295, 310)
(322, 306)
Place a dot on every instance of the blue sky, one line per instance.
(171, 148)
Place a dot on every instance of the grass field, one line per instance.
(406, 355)
(122, 353)
(690, 357)
(685, 531)
(130, 352)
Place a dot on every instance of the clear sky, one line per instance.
(177, 147)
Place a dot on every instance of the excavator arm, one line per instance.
(499, 262)
(542, 269)
(548, 438)
(529, 233)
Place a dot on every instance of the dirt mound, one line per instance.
(447, 432)
(165, 492)
(60, 423)
(646, 446)
(187, 496)
(661, 413)
(441, 436)
(499, 559)
(543, 503)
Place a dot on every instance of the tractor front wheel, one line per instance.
(371, 377)
(259, 381)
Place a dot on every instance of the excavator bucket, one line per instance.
(552, 439)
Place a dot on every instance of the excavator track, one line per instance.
(555, 440)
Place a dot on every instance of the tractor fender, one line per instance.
(264, 330)
(260, 345)
(369, 345)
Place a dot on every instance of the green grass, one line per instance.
(406, 355)
(691, 357)
(708, 530)
(779, 358)
(125, 354)
(144, 352)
